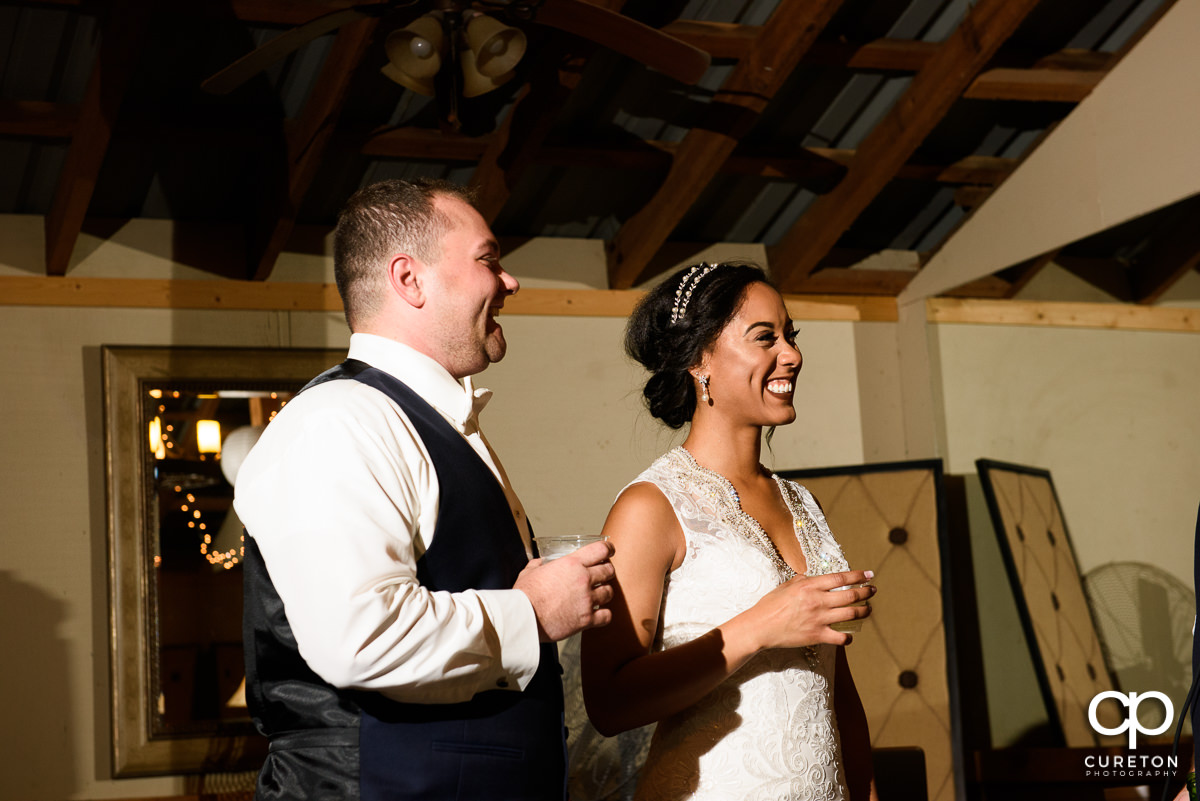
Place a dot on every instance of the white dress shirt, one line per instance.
(342, 499)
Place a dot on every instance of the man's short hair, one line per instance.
(379, 221)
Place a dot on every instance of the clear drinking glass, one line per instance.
(551, 548)
(852, 626)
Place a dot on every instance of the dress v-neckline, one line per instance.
(758, 534)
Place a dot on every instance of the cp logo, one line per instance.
(1131, 721)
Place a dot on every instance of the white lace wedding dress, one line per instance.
(768, 733)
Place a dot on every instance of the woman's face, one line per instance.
(753, 363)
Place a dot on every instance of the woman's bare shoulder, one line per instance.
(643, 498)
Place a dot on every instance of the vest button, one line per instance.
(502, 683)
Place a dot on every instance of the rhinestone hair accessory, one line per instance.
(687, 286)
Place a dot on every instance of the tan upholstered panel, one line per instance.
(886, 519)
(1033, 537)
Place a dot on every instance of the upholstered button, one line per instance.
(1020, 534)
(1061, 676)
(1050, 536)
(1054, 600)
(502, 683)
(908, 679)
(897, 536)
(1091, 671)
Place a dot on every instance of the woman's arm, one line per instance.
(625, 685)
(856, 738)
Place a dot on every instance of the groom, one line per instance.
(398, 644)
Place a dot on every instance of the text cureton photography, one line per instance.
(1131, 764)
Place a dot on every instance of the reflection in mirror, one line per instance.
(198, 434)
(179, 421)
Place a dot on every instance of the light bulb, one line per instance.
(421, 47)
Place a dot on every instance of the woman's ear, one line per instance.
(404, 276)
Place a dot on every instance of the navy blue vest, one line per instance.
(328, 743)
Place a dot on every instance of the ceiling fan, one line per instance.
(609, 29)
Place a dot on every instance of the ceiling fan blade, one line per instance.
(626, 36)
(260, 58)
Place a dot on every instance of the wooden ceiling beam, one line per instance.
(416, 143)
(51, 120)
(886, 283)
(1172, 255)
(721, 40)
(1019, 275)
(517, 142)
(989, 286)
(733, 41)
(58, 120)
(855, 281)
(268, 12)
(514, 147)
(735, 108)
(38, 119)
(1110, 276)
(1036, 85)
(307, 141)
(124, 30)
(896, 137)
(1075, 59)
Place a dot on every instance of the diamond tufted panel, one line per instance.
(889, 518)
(1050, 597)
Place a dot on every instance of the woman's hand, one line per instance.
(799, 612)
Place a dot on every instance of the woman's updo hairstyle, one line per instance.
(676, 323)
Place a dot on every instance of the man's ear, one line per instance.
(404, 275)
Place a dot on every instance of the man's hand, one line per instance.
(569, 593)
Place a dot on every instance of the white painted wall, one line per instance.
(1111, 414)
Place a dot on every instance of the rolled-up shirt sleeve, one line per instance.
(337, 496)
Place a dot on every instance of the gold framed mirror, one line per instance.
(177, 422)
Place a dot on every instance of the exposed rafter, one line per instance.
(1019, 275)
(1173, 254)
(120, 45)
(1053, 85)
(306, 144)
(516, 143)
(1090, 172)
(792, 29)
(38, 118)
(901, 173)
(1110, 276)
(896, 137)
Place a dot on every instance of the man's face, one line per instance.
(465, 289)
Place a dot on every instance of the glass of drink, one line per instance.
(551, 548)
(855, 625)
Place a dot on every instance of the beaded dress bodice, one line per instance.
(768, 732)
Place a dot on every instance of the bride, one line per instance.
(721, 621)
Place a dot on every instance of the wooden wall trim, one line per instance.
(158, 293)
(1113, 316)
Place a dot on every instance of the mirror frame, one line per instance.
(128, 372)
